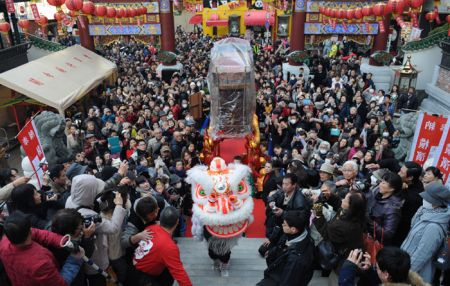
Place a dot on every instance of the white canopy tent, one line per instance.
(60, 79)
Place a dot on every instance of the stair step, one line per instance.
(246, 265)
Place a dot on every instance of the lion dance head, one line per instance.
(222, 199)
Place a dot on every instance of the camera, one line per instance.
(87, 220)
(49, 194)
(361, 186)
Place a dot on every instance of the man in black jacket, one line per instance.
(290, 261)
(408, 101)
(288, 198)
(412, 187)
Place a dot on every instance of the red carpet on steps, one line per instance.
(255, 230)
(229, 148)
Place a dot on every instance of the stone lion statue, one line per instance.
(406, 125)
(50, 127)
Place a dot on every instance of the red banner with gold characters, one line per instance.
(429, 130)
(29, 139)
(442, 161)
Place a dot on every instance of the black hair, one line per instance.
(357, 206)
(413, 170)
(17, 227)
(66, 221)
(297, 219)
(169, 217)
(291, 177)
(146, 206)
(313, 178)
(55, 171)
(435, 171)
(5, 177)
(22, 198)
(394, 180)
(396, 262)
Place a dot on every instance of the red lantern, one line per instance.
(341, 13)
(143, 10)
(132, 13)
(100, 11)
(321, 8)
(350, 14)
(378, 9)
(416, 3)
(128, 11)
(58, 16)
(121, 13)
(110, 12)
(56, 3)
(430, 16)
(395, 6)
(42, 20)
(448, 21)
(5, 27)
(74, 5)
(24, 24)
(367, 10)
(358, 13)
(88, 8)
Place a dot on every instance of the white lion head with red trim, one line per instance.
(222, 199)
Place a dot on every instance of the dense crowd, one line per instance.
(331, 183)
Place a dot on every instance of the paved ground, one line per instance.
(246, 266)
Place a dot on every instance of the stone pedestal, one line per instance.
(288, 68)
(382, 76)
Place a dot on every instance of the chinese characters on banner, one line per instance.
(35, 11)
(429, 130)
(443, 160)
(10, 6)
(29, 139)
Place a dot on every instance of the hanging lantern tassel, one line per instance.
(330, 22)
(344, 25)
(414, 21)
(400, 21)
(367, 26)
(382, 30)
(436, 12)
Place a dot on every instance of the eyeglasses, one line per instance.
(347, 170)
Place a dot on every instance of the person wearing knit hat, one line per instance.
(326, 172)
(428, 230)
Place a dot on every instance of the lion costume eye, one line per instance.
(242, 187)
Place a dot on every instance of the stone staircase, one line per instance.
(246, 266)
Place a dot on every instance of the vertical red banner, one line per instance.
(428, 134)
(29, 139)
(442, 160)
(35, 11)
(10, 6)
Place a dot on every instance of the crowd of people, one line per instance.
(331, 181)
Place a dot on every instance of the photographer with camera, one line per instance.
(71, 222)
(27, 260)
(84, 191)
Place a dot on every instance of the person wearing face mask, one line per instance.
(429, 228)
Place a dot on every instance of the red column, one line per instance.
(167, 26)
(86, 40)
(297, 36)
(380, 41)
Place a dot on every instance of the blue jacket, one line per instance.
(425, 239)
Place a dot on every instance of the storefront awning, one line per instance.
(196, 19)
(258, 18)
(61, 78)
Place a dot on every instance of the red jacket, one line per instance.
(160, 252)
(33, 265)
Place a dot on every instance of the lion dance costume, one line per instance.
(222, 208)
